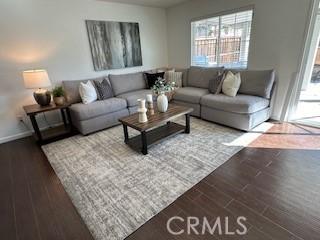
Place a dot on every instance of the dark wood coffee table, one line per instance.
(158, 127)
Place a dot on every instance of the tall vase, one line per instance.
(142, 111)
(162, 103)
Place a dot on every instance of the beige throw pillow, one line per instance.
(231, 84)
(175, 77)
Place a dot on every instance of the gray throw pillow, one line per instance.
(215, 84)
(104, 90)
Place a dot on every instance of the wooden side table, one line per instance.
(52, 134)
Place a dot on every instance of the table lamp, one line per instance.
(38, 79)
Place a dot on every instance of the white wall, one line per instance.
(277, 35)
(51, 34)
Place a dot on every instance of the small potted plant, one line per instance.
(160, 88)
(58, 95)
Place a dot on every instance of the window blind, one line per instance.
(222, 41)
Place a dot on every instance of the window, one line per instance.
(222, 41)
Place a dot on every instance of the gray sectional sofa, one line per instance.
(245, 111)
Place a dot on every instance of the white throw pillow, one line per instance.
(231, 84)
(87, 92)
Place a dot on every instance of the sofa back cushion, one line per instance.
(127, 82)
(201, 76)
(71, 89)
(257, 83)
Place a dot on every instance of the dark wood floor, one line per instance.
(276, 189)
(33, 202)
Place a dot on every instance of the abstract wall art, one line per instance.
(114, 44)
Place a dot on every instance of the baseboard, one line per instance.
(24, 134)
(15, 137)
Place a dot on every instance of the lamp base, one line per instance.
(42, 98)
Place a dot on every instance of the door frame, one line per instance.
(292, 101)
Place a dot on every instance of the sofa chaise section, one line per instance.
(245, 111)
(241, 103)
(242, 111)
(251, 106)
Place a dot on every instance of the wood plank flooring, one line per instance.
(276, 187)
(33, 202)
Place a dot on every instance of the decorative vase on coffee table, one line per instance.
(142, 110)
(162, 103)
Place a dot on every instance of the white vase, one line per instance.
(162, 103)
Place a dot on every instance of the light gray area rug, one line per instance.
(116, 189)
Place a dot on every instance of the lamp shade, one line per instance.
(36, 79)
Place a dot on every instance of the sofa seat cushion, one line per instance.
(132, 97)
(245, 104)
(81, 111)
(190, 94)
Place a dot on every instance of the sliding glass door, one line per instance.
(306, 104)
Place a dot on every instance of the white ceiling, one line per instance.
(151, 3)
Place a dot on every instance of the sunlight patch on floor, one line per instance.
(289, 136)
(251, 136)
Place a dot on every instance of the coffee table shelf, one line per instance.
(157, 135)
